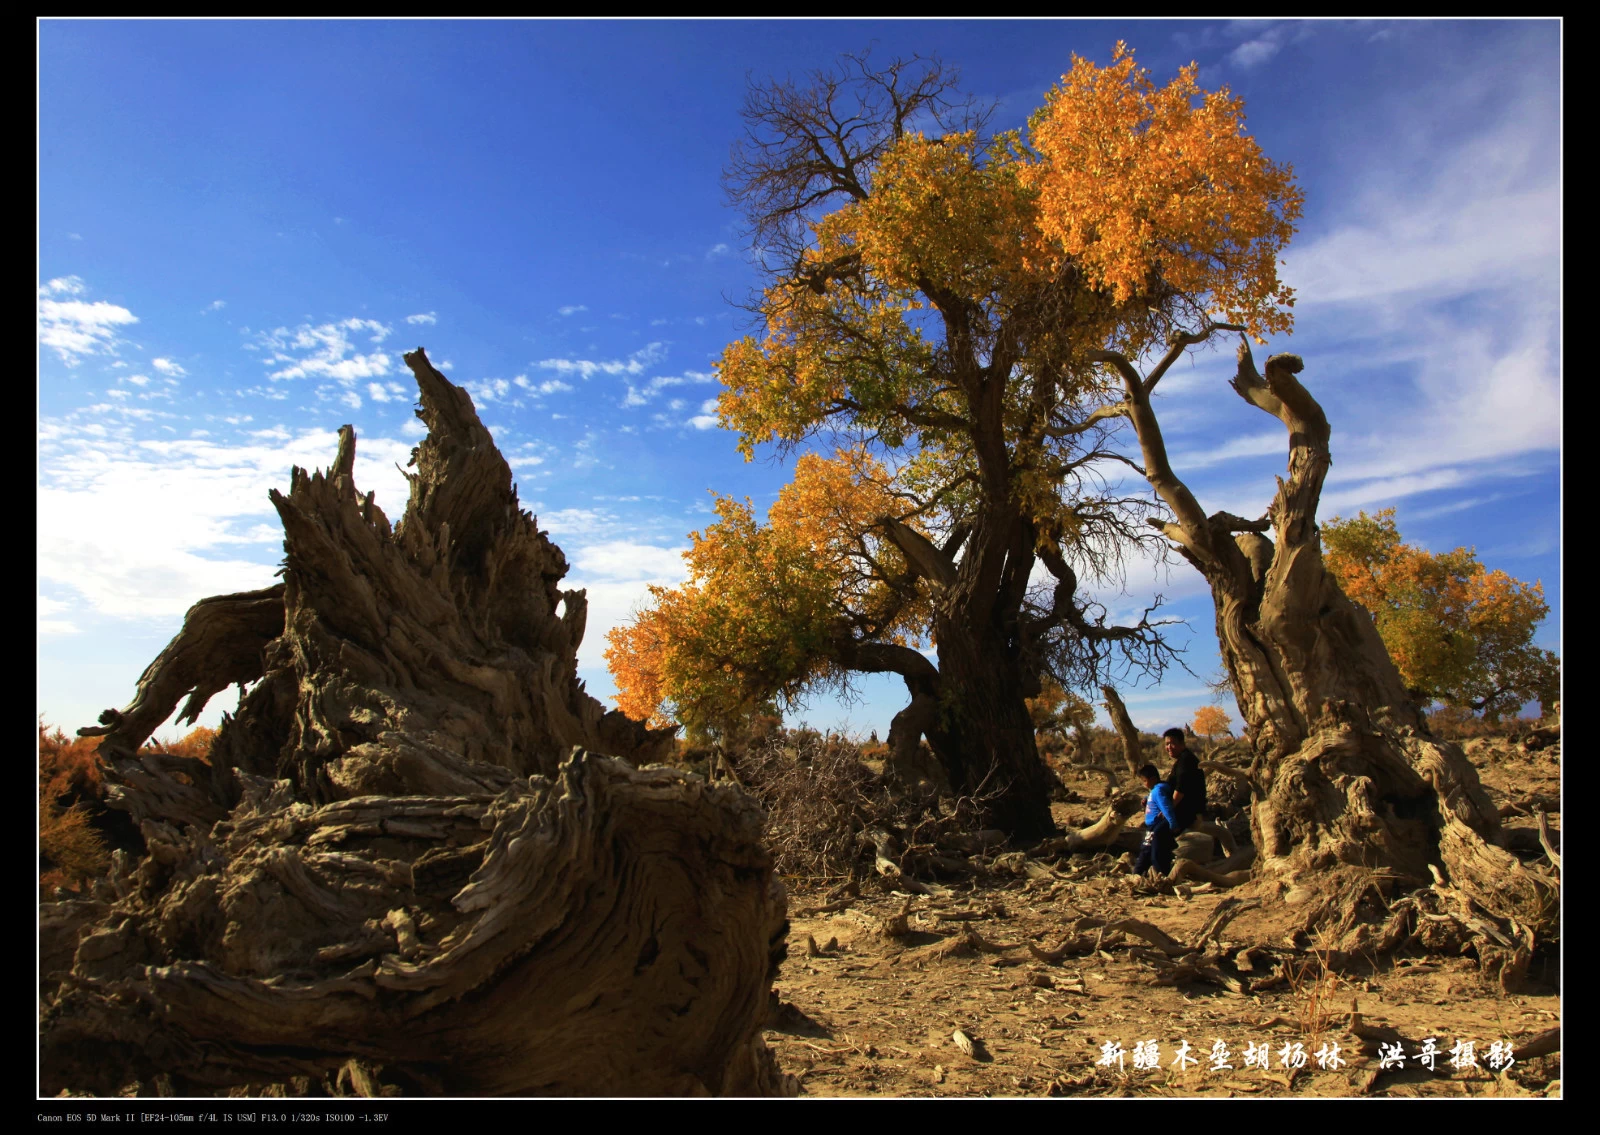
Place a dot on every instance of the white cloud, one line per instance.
(548, 386)
(217, 305)
(1266, 40)
(1253, 52)
(1432, 248)
(707, 418)
(412, 427)
(489, 390)
(627, 560)
(573, 308)
(639, 395)
(63, 286)
(167, 366)
(1254, 445)
(376, 392)
(577, 522)
(423, 317)
(136, 379)
(616, 576)
(101, 498)
(635, 363)
(718, 249)
(75, 329)
(326, 350)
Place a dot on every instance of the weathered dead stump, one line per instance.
(1353, 800)
(404, 861)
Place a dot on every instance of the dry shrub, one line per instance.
(819, 797)
(67, 765)
(829, 815)
(72, 843)
(1314, 987)
(71, 851)
(195, 743)
(1455, 723)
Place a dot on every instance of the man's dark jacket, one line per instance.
(1188, 778)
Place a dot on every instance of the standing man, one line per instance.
(1187, 780)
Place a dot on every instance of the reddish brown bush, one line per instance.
(71, 851)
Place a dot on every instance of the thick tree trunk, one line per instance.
(973, 707)
(1350, 789)
(984, 737)
(400, 861)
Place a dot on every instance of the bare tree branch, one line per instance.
(925, 557)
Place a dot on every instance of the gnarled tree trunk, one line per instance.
(401, 863)
(984, 737)
(1351, 788)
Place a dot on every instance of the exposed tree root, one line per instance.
(401, 853)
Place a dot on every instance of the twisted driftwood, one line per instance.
(403, 867)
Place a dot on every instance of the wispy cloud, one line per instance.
(572, 308)
(1255, 445)
(716, 250)
(628, 560)
(1265, 41)
(326, 351)
(76, 329)
(168, 367)
(63, 286)
(538, 389)
(423, 317)
(488, 390)
(635, 363)
(639, 395)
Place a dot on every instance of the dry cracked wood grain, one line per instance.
(406, 866)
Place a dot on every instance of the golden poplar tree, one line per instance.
(935, 298)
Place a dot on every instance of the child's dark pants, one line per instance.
(1159, 844)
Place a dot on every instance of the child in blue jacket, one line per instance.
(1160, 824)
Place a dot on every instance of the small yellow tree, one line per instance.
(1458, 632)
(1211, 721)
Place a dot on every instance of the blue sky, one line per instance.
(242, 225)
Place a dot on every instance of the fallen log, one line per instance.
(1540, 1044)
(1231, 872)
